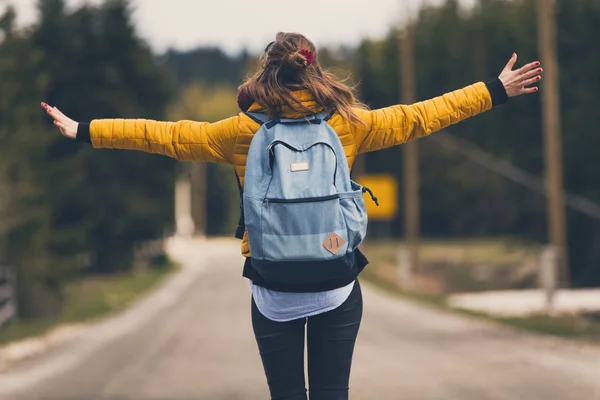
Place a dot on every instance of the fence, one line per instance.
(7, 297)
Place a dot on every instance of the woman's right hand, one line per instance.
(517, 82)
(67, 126)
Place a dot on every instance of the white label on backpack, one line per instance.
(299, 166)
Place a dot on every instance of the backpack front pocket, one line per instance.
(304, 229)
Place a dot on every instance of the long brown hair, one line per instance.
(291, 63)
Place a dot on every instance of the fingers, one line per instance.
(530, 90)
(531, 81)
(511, 62)
(49, 109)
(60, 126)
(53, 111)
(67, 126)
(46, 106)
(59, 113)
(528, 67)
(532, 73)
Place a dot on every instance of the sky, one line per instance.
(237, 24)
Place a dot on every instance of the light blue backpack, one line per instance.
(304, 215)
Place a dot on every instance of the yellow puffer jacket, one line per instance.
(228, 141)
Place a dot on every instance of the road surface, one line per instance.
(192, 339)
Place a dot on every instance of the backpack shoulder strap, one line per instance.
(327, 115)
(239, 232)
(317, 118)
(259, 118)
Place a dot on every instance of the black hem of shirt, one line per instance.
(497, 92)
(360, 263)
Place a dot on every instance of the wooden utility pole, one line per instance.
(551, 124)
(410, 150)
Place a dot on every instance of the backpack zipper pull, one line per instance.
(267, 203)
(366, 189)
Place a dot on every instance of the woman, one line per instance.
(291, 84)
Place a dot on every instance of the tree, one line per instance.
(68, 207)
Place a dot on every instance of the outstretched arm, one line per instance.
(399, 124)
(183, 140)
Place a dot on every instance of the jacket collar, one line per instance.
(304, 96)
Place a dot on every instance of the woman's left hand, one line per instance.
(67, 126)
(516, 82)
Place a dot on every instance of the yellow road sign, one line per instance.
(385, 188)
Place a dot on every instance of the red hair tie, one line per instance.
(310, 56)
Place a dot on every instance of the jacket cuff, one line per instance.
(83, 133)
(497, 91)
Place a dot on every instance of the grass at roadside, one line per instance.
(462, 265)
(457, 265)
(464, 250)
(89, 298)
(585, 327)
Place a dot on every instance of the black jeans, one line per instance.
(330, 339)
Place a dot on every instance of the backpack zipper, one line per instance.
(271, 150)
(303, 200)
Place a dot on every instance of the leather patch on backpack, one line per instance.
(334, 243)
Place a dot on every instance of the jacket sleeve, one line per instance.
(183, 140)
(395, 125)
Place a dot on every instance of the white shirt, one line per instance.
(283, 306)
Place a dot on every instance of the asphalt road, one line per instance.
(192, 339)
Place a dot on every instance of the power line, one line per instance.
(505, 168)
